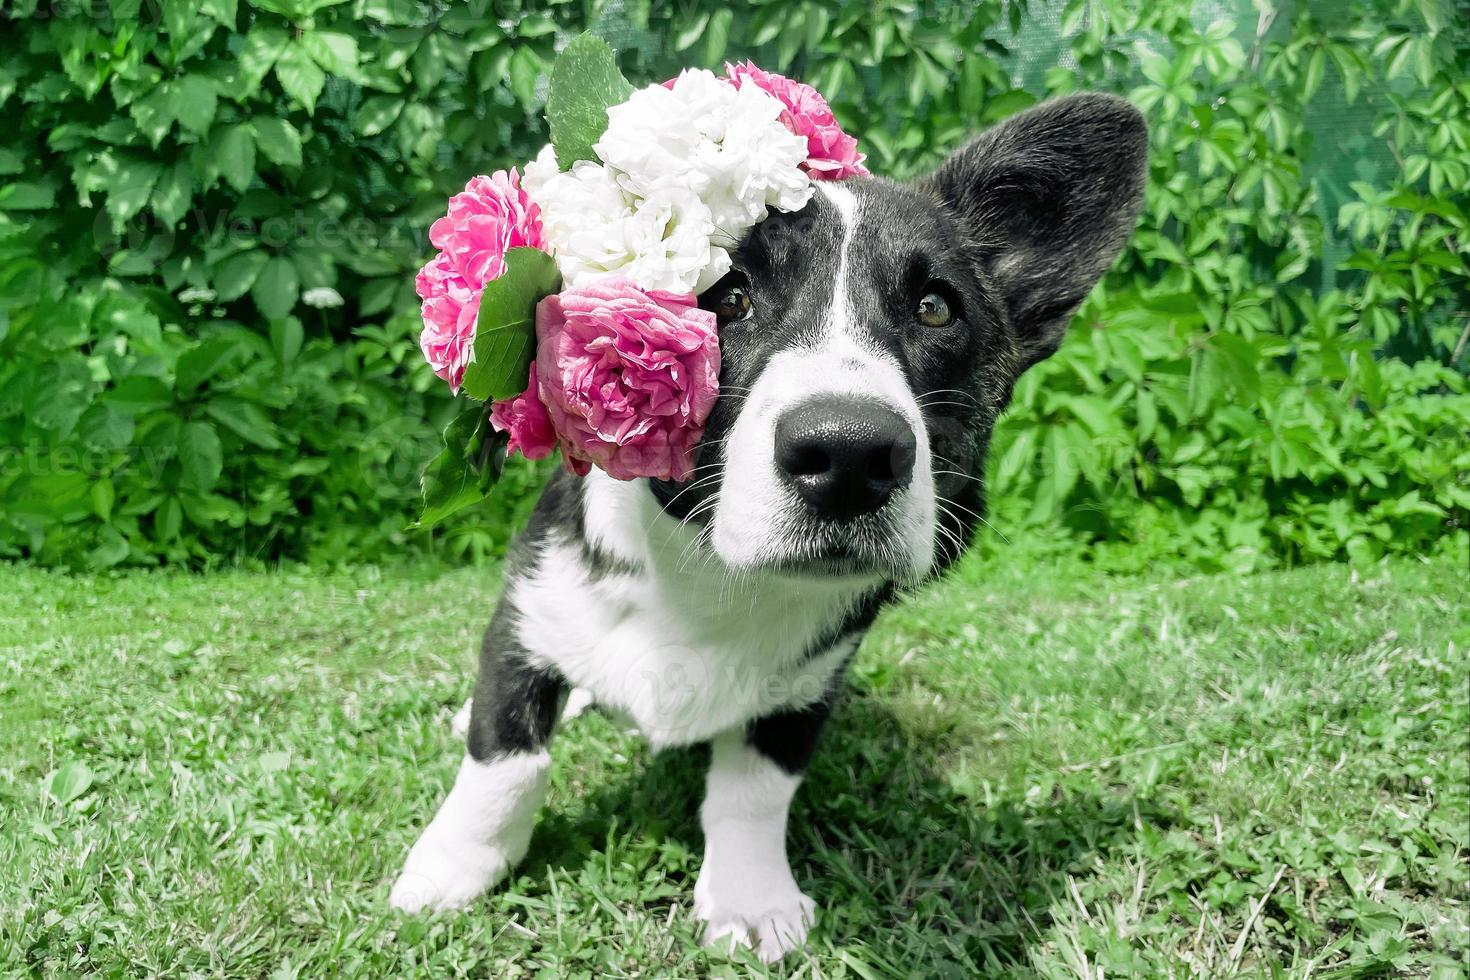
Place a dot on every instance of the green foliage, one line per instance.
(211, 217)
(1229, 395)
(207, 313)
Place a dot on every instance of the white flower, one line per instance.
(676, 244)
(322, 298)
(685, 173)
(597, 228)
(196, 294)
(539, 172)
(726, 145)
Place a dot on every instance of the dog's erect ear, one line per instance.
(1050, 196)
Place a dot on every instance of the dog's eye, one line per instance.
(733, 304)
(934, 311)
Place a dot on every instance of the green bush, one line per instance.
(212, 214)
(1276, 371)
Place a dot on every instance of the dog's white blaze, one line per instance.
(678, 646)
(746, 892)
(481, 830)
(840, 318)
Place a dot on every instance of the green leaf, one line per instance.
(299, 75)
(139, 393)
(286, 336)
(107, 426)
(585, 81)
(263, 46)
(59, 394)
(169, 519)
(429, 62)
(277, 287)
(524, 70)
(234, 153)
(376, 295)
(27, 196)
(466, 430)
(200, 455)
(194, 102)
(233, 277)
(172, 193)
(452, 482)
(468, 467)
(129, 187)
(717, 36)
(333, 51)
(244, 419)
(200, 363)
(505, 334)
(998, 107)
(221, 10)
(153, 113)
(278, 140)
(178, 20)
(691, 32)
(103, 497)
(449, 485)
(111, 548)
(377, 114)
(69, 781)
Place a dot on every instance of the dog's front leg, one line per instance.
(746, 893)
(484, 825)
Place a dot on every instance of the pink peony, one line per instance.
(492, 215)
(525, 418)
(628, 377)
(831, 153)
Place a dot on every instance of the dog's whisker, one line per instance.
(946, 504)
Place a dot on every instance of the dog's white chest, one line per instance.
(682, 647)
(682, 673)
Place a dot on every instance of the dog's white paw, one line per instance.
(773, 923)
(439, 875)
(482, 828)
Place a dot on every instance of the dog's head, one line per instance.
(870, 340)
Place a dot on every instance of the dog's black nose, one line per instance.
(844, 456)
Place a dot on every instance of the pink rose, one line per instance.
(628, 377)
(831, 153)
(525, 418)
(491, 216)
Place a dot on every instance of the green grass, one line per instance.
(1040, 770)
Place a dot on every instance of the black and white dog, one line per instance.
(869, 342)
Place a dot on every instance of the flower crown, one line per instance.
(565, 295)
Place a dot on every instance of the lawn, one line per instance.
(1040, 770)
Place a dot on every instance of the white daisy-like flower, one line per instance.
(597, 228)
(727, 145)
(322, 298)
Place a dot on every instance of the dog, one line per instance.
(869, 342)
